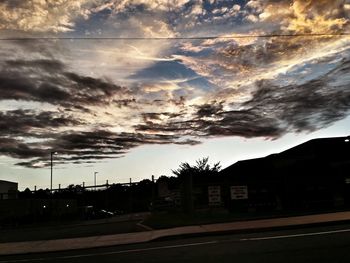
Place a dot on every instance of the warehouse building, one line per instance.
(313, 175)
(8, 190)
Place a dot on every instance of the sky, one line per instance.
(131, 89)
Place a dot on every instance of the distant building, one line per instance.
(8, 190)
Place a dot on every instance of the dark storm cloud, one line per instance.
(33, 124)
(49, 81)
(211, 120)
(309, 106)
(17, 148)
(209, 109)
(81, 146)
(179, 127)
(244, 123)
(124, 102)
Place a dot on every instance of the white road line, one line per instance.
(296, 235)
(110, 253)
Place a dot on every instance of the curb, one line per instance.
(250, 231)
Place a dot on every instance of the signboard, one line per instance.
(239, 192)
(214, 195)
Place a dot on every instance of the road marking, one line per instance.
(296, 235)
(110, 253)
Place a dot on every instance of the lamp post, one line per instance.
(95, 179)
(52, 154)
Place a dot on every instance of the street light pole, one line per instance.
(52, 153)
(95, 179)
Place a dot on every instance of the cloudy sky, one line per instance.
(131, 88)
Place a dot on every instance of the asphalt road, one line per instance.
(322, 244)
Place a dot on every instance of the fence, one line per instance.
(85, 187)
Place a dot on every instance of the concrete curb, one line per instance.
(141, 237)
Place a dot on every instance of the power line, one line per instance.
(180, 38)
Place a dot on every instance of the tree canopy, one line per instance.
(201, 168)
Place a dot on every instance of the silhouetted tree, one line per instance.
(186, 173)
(202, 168)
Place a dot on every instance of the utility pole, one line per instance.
(52, 154)
(130, 197)
(95, 179)
(153, 190)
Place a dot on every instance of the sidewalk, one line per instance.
(140, 237)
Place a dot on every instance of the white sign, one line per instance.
(214, 194)
(239, 192)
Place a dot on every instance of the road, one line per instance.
(317, 244)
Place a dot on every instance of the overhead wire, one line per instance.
(238, 36)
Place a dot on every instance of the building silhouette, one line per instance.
(8, 190)
(312, 175)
